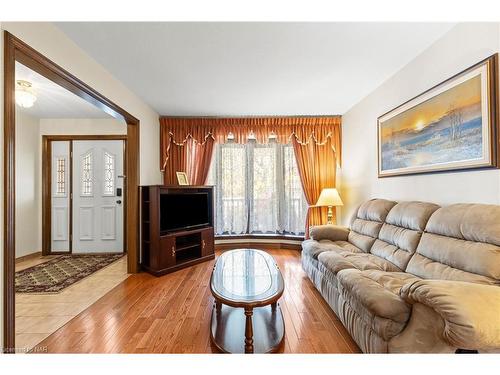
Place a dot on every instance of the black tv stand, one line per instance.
(169, 251)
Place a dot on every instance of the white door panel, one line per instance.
(60, 227)
(60, 196)
(97, 209)
(108, 216)
(85, 222)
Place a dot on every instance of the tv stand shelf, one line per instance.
(164, 251)
(187, 247)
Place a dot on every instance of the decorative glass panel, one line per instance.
(61, 176)
(87, 175)
(109, 174)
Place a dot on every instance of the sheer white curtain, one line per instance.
(231, 214)
(295, 204)
(258, 189)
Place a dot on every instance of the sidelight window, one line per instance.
(60, 176)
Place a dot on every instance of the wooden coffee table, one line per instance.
(246, 317)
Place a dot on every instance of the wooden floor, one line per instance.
(171, 314)
(40, 315)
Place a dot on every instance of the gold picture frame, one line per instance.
(182, 178)
(452, 126)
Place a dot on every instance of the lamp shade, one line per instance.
(329, 197)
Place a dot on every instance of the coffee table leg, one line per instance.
(218, 307)
(248, 330)
(273, 306)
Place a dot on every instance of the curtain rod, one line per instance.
(253, 116)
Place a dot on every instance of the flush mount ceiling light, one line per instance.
(25, 97)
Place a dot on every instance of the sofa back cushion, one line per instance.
(367, 222)
(461, 242)
(400, 234)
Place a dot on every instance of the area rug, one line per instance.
(61, 272)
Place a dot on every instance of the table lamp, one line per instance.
(329, 197)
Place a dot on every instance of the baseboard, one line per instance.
(38, 254)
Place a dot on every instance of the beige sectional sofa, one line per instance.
(412, 276)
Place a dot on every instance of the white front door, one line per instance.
(98, 196)
(60, 196)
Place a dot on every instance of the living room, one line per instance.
(274, 187)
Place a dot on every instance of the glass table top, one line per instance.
(246, 275)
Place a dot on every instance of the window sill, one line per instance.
(288, 237)
(259, 241)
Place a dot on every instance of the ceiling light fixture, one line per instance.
(25, 97)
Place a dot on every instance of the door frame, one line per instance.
(17, 50)
(47, 186)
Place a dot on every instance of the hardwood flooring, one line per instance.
(171, 314)
(39, 315)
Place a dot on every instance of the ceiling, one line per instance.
(54, 101)
(224, 69)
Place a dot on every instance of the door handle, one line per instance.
(119, 201)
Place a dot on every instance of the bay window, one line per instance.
(258, 189)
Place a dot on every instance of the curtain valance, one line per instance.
(320, 130)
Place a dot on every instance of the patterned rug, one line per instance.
(61, 272)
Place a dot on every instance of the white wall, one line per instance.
(55, 45)
(28, 187)
(81, 127)
(461, 47)
(51, 42)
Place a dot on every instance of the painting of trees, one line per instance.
(456, 120)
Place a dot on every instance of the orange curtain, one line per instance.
(191, 157)
(186, 144)
(177, 130)
(317, 167)
(176, 162)
(199, 157)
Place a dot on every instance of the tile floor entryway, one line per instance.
(39, 315)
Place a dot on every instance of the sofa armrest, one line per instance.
(329, 232)
(471, 312)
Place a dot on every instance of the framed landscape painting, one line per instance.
(452, 126)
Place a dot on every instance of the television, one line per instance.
(182, 211)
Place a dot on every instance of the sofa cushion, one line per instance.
(341, 246)
(375, 210)
(471, 222)
(329, 232)
(461, 242)
(338, 261)
(400, 234)
(374, 295)
(367, 222)
(411, 215)
(312, 248)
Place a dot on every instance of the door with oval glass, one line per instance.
(98, 196)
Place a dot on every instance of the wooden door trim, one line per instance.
(77, 137)
(47, 185)
(46, 195)
(17, 50)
